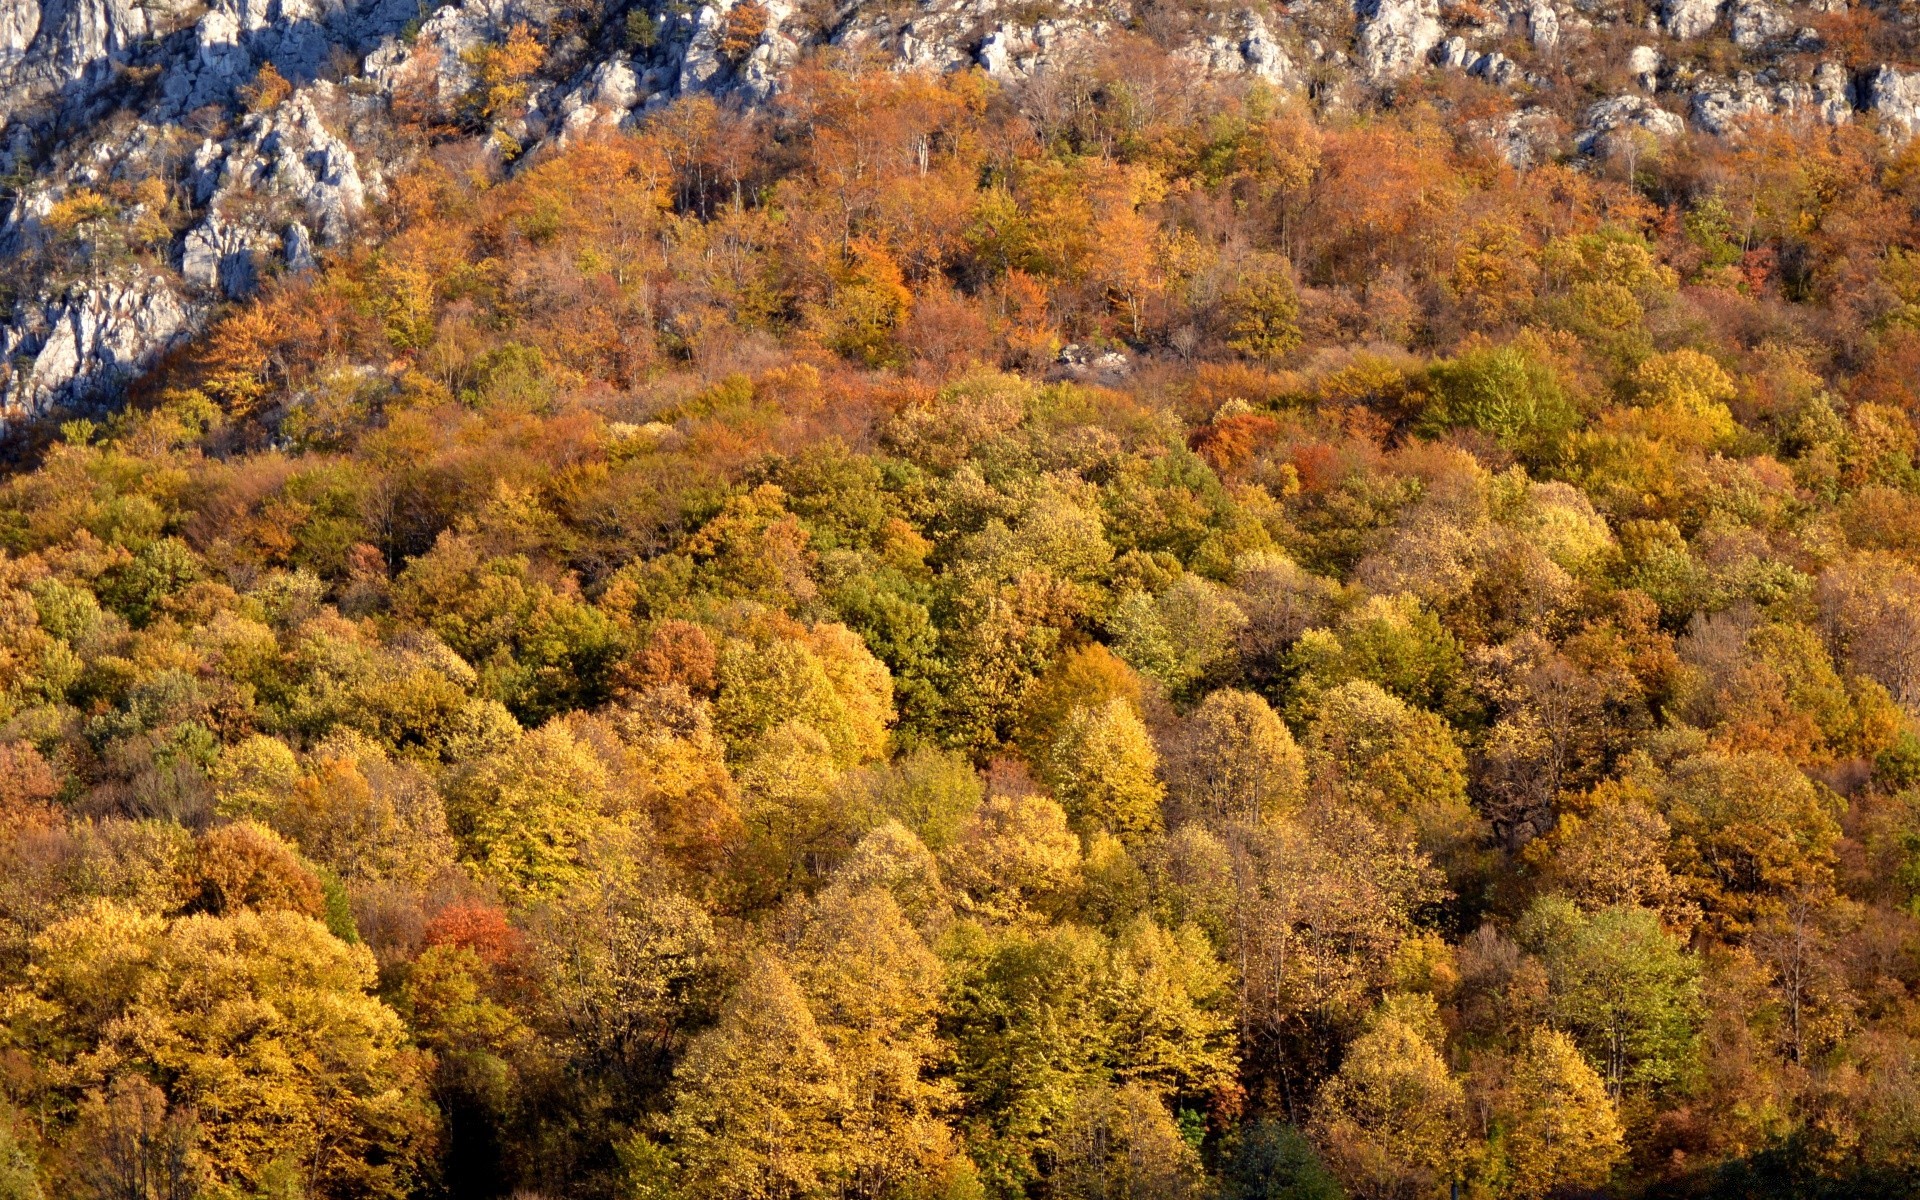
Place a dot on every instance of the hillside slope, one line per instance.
(228, 142)
(1022, 603)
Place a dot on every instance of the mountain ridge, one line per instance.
(113, 92)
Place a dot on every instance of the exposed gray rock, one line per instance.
(613, 86)
(1893, 95)
(283, 168)
(298, 249)
(70, 54)
(1543, 26)
(607, 97)
(1526, 139)
(1011, 51)
(50, 47)
(1644, 62)
(1832, 93)
(219, 257)
(440, 46)
(1496, 68)
(1719, 107)
(1688, 19)
(1396, 36)
(1250, 49)
(703, 65)
(287, 154)
(1756, 22)
(1604, 123)
(21, 230)
(217, 64)
(91, 341)
(1085, 362)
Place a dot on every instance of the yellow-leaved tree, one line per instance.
(1561, 1128)
(1103, 769)
(256, 1030)
(756, 1101)
(1392, 1121)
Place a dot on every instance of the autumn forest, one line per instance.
(1125, 638)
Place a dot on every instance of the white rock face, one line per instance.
(1624, 115)
(1644, 62)
(1688, 19)
(1718, 108)
(287, 161)
(47, 47)
(1496, 68)
(1526, 139)
(219, 256)
(290, 155)
(442, 41)
(1543, 26)
(217, 65)
(70, 53)
(89, 342)
(1756, 22)
(84, 342)
(1396, 36)
(1249, 48)
(1832, 93)
(1893, 95)
(297, 248)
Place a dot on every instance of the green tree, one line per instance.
(1122, 1144)
(931, 792)
(1171, 1012)
(1398, 764)
(1016, 858)
(1748, 830)
(1025, 1019)
(1505, 393)
(1392, 641)
(1185, 637)
(1268, 1160)
(824, 678)
(796, 817)
(1264, 313)
(531, 817)
(19, 1174)
(1621, 986)
(875, 991)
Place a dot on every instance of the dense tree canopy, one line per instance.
(652, 674)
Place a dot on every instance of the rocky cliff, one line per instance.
(163, 156)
